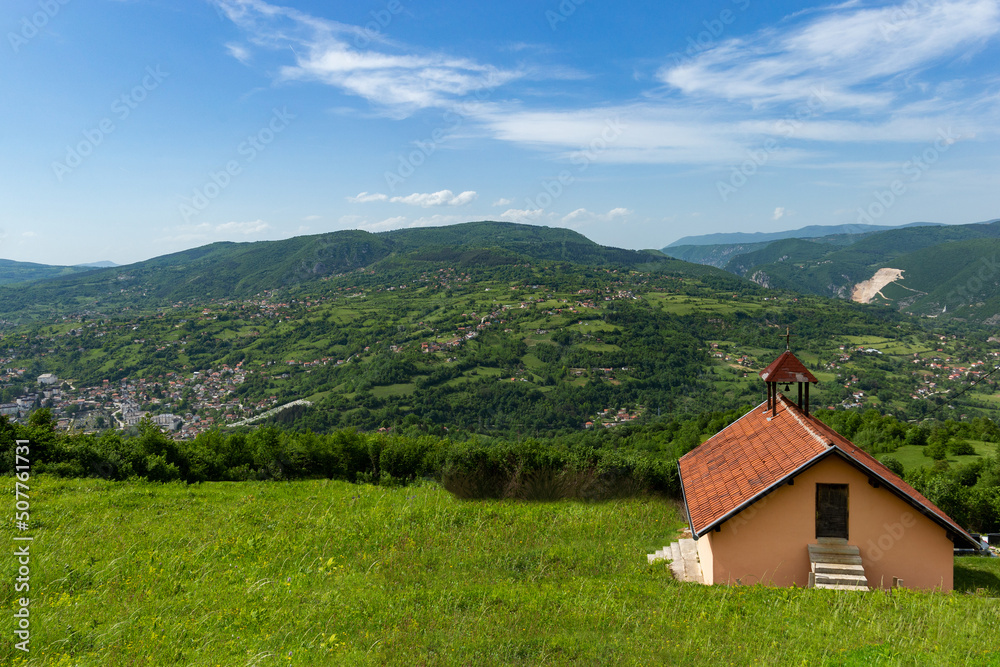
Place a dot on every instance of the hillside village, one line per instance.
(189, 402)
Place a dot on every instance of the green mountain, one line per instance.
(722, 255)
(230, 270)
(507, 329)
(949, 270)
(810, 232)
(22, 272)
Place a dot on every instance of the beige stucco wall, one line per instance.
(766, 543)
(706, 558)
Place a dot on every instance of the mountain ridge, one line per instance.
(808, 232)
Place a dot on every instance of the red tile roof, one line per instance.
(787, 368)
(758, 453)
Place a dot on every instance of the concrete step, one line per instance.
(843, 549)
(836, 565)
(835, 559)
(689, 550)
(677, 568)
(692, 566)
(660, 554)
(826, 581)
(838, 569)
(675, 549)
(844, 588)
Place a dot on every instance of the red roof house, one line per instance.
(779, 498)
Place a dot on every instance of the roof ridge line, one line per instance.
(805, 425)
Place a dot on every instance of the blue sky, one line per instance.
(135, 128)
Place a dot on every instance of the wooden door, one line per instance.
(831, 510)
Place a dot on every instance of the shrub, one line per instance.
(893, 464)
(961, 447)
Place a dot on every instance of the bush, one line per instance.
(893, 464)
(937, 450)
(961, 447)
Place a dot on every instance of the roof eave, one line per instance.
(684, 500)
(913, 502)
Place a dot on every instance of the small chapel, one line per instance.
(779, 498)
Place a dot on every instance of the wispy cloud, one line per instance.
(239, 52)
(862, 56)
(397, 79)
(841, 75)
(424, 199)
(365, 197)
(582, 216)
(867, 74)
(244, 228)
(440, 198)
(207, 232)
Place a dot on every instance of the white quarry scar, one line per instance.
(865, 291)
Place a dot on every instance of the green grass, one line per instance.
(912, 456)
(393, 390)
(328, 573)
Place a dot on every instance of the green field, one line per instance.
(329, 573)
(912, 456)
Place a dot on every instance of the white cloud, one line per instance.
(842, 63)
(28, 234)
(244, 228)
(438, 220)
(802, 85)
(440, 198)
(239, 52)
(860, 56)
(524, 215)
(583, 216)
(365, 197)
(342, 56)
(311, 218)
(206, 232)
(503, 202)
(779, 213)
(394, 222)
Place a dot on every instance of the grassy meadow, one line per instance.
(330, 573)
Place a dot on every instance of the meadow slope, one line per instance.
(330, 573)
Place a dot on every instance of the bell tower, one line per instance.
(787, 369)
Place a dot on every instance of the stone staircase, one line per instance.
(836, 564)
(683, 557)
